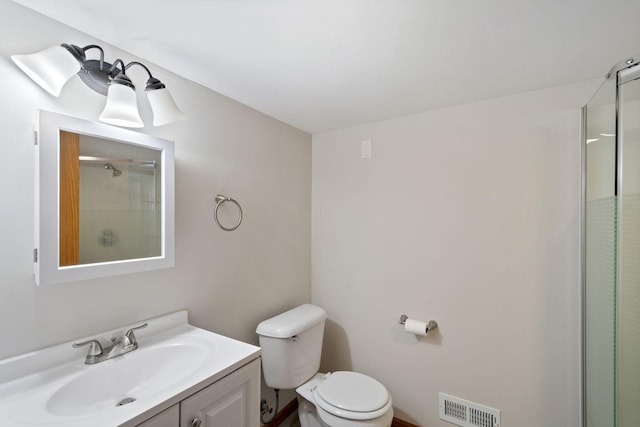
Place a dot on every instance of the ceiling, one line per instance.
(321, 65)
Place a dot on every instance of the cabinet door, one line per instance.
(167, 418)
(233, 401)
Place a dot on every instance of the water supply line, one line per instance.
(265, 409)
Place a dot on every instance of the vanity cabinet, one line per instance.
(167, 418)
(232, 401)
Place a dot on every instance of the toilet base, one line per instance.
(307, 414)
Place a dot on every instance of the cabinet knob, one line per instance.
(197, 422)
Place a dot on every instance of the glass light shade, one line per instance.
(121, 108)
(50, 68)
(163, 106)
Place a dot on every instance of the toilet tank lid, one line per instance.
(292, 322)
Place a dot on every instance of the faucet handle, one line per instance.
(129, 338)
(95, 348)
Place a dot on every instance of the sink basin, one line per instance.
(53, 387)
(124, 380)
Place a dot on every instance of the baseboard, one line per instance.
(291, 407)
(400, 423)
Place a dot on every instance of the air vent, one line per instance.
(467, 414)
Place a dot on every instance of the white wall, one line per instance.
(228, 281)
(468, 216)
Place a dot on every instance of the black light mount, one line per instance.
(98, 74)
(51, 68)
(95, 73)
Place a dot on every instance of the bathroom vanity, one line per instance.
(223, 403)
(179, 376)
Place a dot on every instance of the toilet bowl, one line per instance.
(344, 399)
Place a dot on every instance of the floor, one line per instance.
(291, 421)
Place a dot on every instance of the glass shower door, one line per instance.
(628, 334)
(611, 341)
(600, 256)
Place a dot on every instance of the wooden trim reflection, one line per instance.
(69, 198)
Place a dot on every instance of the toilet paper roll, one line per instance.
(416, 327)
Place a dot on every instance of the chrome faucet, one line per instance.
(120, 346)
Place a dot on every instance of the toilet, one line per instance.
(291, 346)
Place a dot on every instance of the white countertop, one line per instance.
(54, 387)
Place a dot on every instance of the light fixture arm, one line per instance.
(79, 53)
(120, 77)
(76, 51)
(114, 68)
(152, 83)
(95, 46)
(140, 64)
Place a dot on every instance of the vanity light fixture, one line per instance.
(54, 66)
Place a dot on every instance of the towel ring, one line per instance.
(220, 199)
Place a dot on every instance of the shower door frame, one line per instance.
(583, 266)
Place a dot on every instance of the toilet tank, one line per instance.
(291, 346)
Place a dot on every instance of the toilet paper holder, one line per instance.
(431, 324)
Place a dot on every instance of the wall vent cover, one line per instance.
(467, 414)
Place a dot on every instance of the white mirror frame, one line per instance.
(47, 267)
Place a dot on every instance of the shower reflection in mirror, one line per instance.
(118, 216)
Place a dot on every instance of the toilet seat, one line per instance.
(352, 395)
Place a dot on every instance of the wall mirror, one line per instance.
(104, 200)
